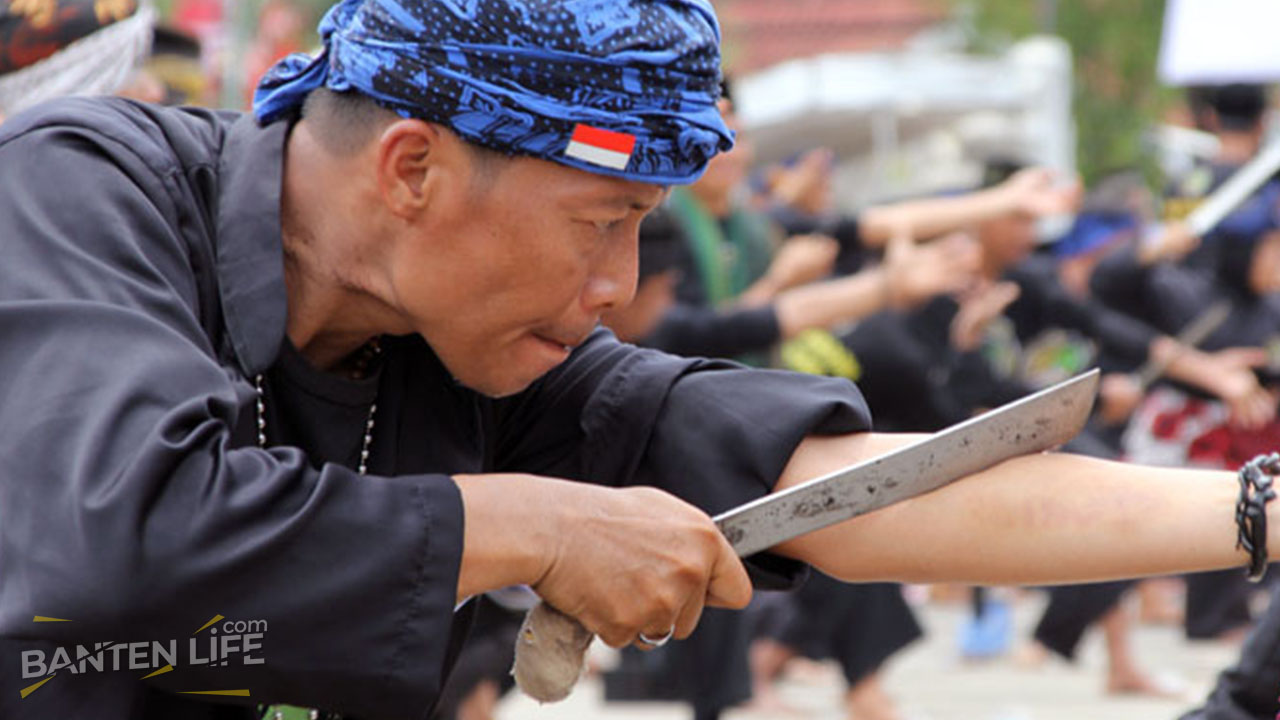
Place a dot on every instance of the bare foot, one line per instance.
(1031, 656)
(1144, 685)
(767, 702)
(868, 701)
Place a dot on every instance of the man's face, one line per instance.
(1007, 240)
(1264, 268)
(510, 269)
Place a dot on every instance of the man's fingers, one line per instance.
(729, 586)
(689, 616)
(1245, 356)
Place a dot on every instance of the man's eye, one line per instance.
(605, 226)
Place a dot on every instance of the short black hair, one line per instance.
(1240, 106)
(345, 121)
(348, 121)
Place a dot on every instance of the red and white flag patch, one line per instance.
(601, 147)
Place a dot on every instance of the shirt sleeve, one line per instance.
(712, 432)
(123, 506)
(1122, 337)
(688, 329)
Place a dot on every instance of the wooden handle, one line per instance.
(551, 651)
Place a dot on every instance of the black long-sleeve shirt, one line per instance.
(141, 292)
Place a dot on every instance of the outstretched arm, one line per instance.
(1047, 518)
(1033, 191)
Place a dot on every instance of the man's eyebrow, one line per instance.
(625, 201)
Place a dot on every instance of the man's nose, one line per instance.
(612, 282)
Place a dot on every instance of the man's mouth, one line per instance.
(567, 341)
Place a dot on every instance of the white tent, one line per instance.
(914, 121)
(1220, 41)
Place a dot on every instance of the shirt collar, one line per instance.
(250, 255)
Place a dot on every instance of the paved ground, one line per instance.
(932, 684)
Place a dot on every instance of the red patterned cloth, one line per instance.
(32, 30)
(1172, 428)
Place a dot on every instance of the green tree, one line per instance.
(1117, 97)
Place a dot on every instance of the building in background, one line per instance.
(887, 85)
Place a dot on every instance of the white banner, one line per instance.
(1220, 41)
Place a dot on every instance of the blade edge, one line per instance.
(1037, 422)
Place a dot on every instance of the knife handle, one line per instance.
(551, 651)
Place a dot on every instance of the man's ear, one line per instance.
(410, 154)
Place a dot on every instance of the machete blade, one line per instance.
(1037, 422)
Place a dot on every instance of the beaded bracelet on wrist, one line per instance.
(1256, 478)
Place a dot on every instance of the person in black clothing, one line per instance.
(1235, 114)
(1247, 690)
(977, 352)
(336, 366)
(1178, 424)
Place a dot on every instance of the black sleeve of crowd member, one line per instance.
(1122, 337)
(712, 432)
(907, 384)
(702, 331)
(853, 254)
(1122, 283)
(123, 507)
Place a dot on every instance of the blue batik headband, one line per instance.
(621, 87)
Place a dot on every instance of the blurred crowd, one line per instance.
(938, 307)
(944, 306)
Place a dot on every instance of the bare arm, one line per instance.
(1227, 374)
(832, 302)
(910, 275)
(1033, 191)
(1047, 518)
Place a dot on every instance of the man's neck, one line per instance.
(332, 310)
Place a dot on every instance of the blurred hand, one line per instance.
(916, 273)
(1171, 242)
(636, 560)
(1249, 404)
(801, 260)
(805, 186)
(1118, 396)
(978, 308)
(1037, 192)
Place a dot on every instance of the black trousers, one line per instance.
(1072, 609)
(859, 626)
(1217, 601)
(1249, 690)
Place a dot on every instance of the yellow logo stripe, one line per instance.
(239, 693)
(24, 692)
(41, 618)
(161, 671)
(215, 619)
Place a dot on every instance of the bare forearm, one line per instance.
(1046, 518)
(761, 291)
(928, 217)
(831, 302)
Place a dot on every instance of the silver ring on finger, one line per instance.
(658, 641)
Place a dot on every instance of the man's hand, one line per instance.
(1233, 381)
(620, 561)
(805, 186)
(916, 273)
(1037, 192)
(1172, 241)
(978, 308)
(1119, 394)
(801, 260)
